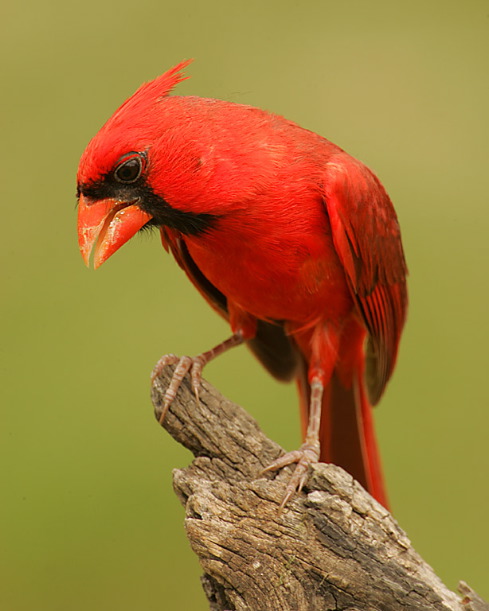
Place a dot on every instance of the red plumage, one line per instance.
(288, 237)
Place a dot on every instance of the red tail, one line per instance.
(347, 435)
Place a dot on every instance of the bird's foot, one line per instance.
(184, 364)
(306, 455)
(192, 364)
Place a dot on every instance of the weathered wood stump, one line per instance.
(333, 547)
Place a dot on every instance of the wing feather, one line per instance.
(367, 239)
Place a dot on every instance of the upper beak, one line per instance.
(109, 223)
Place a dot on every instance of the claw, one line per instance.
(167, 359)
(306, 455)
(196, 375)
(184, 364)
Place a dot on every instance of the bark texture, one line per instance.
(332, 548)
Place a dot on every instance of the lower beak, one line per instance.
(108, 224)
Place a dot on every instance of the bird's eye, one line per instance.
(129, 170)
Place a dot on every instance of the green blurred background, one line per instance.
(88, 518)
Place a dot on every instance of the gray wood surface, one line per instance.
(332, 548)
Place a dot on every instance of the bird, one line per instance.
(289, 238)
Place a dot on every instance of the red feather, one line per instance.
(289, 238)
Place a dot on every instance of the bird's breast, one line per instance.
(279, 275)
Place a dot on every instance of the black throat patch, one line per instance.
(143, 196)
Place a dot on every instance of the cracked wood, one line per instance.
(332, 548)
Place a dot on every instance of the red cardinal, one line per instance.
(289, 238)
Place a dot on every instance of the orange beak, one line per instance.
(108, 224)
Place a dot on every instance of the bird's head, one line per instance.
(116, 187)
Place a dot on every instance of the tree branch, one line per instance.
(332, 548)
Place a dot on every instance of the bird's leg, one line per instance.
(185, 364)
(308, 453)
(321, 345)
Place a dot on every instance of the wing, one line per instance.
(367, 239)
